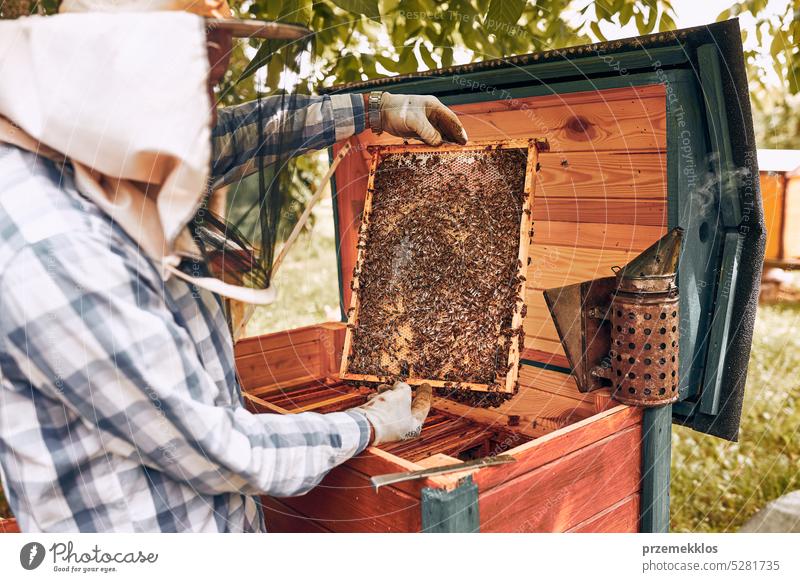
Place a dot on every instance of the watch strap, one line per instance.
(374, 111)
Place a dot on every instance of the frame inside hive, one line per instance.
(438, 287)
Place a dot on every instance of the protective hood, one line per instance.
(123, 98)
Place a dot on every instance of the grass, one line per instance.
(716, 485)
(307, 286)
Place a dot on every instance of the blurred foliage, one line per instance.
(16, 8)
(776, 104)
(364, 39)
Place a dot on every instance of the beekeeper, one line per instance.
(119, 408)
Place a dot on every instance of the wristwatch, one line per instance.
(374, 111)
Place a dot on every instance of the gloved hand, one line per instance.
(392, 413)
(421, 116)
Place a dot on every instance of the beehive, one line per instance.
(629, 144)
(617, 176)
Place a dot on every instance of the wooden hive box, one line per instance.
(633, 128)
(780, 191)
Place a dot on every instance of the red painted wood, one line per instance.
(9, 526)
(346, 502)
(562, 494)
(264, 343)
(622, 517)
(279, 365)
(280, 518)
(554, 446)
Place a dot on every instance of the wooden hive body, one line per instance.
(600, 201)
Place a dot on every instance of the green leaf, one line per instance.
(645, 26)
(603, 9)
(427, 57)
(294, 11)
(666, 23)
(368, 8)
(388, 63)
(626, 13)
(596, 30)
(447, 56)
(389, 6)
(503, 12)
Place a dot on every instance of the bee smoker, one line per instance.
(622, 332)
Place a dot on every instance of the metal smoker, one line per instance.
(622, 332)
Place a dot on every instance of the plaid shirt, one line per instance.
(119, 404)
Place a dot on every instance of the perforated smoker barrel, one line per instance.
(645, 327)
(644, 352)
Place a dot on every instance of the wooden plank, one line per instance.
(545, 411)
(595, 235)
(791, 219)
(601, 210)
(279, 365)
(280, 518)
(772, 190)
(537, 410)
(545, 357)
(260, 344)
(560, 495)
(622, 517)
(566, 99)
(330, 347)
(438, 460)
(327, 402)
(537, 344)
(557, 444)
(604, 174)
(345, 501)
(557, 266)
(261, 404)
(9, 525)
(552, 382)
(270, 389)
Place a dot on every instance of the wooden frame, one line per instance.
(525, 237)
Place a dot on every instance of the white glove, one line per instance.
(420, 116)
(393, 415)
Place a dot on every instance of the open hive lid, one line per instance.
(438, 285)
(673, 105)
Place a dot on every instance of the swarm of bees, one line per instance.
(440, 276)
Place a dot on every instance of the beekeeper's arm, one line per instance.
(317, 122)
(91, 329)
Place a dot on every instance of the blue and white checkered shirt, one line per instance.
(119, 404)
